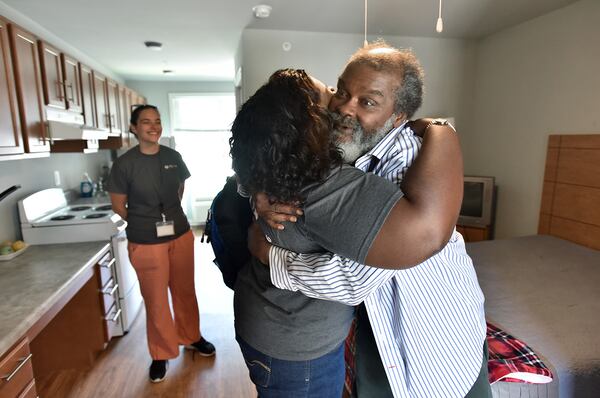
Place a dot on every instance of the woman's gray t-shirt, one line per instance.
(341, 215)
(149, 181)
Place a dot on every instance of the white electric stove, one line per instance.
(48, 217)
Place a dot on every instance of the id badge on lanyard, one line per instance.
(165, 227)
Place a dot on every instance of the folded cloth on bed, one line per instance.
(512, 360)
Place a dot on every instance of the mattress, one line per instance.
(546, 292)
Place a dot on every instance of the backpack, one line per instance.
(226, 230)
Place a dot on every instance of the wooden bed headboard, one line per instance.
(571, 196)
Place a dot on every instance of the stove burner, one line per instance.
(103, 208)
(62, 218)
(96, 215)
(79, 208)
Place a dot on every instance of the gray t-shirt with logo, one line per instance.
(341, 215)
(150, 181)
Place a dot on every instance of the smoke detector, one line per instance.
(153, 45)
(262, 11)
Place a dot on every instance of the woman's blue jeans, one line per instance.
(322, 377)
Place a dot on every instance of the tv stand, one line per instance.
(475, 234)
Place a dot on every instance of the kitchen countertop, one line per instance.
(33, 282)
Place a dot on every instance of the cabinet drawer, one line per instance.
(109, 294)
(29, 391)
(113, 321)
(16, 371)
(106, 268)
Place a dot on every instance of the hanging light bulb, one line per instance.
(366, 43)
(439, 26)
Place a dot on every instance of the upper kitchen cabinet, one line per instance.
(60, 79)
(28, 81)
(125, 96)
(72, 83)
(101, 100)
(86, 80)
(10, 132)
(52, 76)
(114, 111)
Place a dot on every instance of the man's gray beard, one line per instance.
(363, 142)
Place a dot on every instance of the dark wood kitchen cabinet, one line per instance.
(60, 79)
(52, 76)
(101, 100)
(125, 96)
(67, 332)
(86, 79)
(17, 373)
(28, 81)
(10, 128)
(71, 334)
(114, 111)
(72, 84)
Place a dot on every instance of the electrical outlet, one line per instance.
(56, 178)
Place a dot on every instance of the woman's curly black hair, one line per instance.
(281, 139)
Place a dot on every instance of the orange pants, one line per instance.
(162, 267)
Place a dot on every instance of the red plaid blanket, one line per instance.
(349, 353)
(512, 360)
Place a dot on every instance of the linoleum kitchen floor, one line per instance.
(122, 369)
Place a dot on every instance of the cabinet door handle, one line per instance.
(72, 98)
(110, 291)
(115, 317)
(22, 363)
(59, 86)
(109, 265)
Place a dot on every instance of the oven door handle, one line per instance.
(110, 291)
(115, 317)
(109, 264)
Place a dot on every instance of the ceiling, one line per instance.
(201, 37)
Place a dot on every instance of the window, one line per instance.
(201, 125)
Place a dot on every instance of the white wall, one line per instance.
(37, 174)
(157, 93)
(447, 62)
(536, 79)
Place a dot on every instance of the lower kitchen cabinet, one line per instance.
(16, 373)
(29, 391)
(68, 336)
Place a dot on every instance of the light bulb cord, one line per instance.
(365, 43)
(439, 26)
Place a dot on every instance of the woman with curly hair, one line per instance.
(281, 145)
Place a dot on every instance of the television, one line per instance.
(479, 202)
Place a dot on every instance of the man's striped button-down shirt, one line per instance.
(428, 321)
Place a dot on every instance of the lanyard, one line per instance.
(158, 188)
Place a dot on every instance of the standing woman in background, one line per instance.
(146, 185)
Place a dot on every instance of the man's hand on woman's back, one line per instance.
(275, 213)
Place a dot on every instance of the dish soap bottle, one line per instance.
(86, 187)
